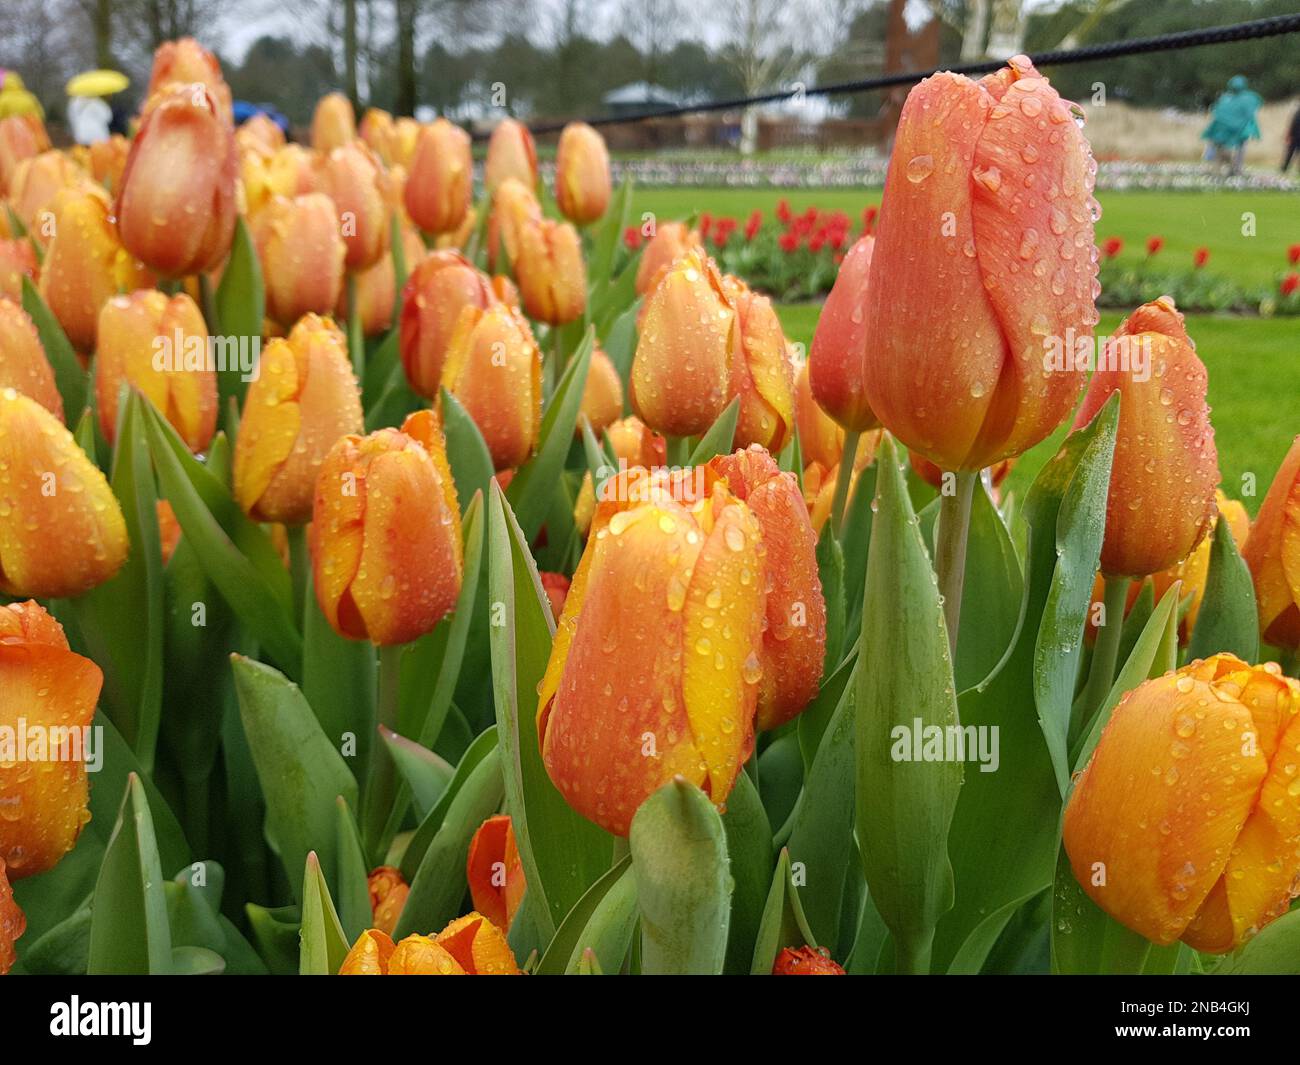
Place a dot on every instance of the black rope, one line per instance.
(1240, 31)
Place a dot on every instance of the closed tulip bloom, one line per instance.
(377, 130)
(108, 161)
(23, 365)
(761, 374)
(86, 264)
(377, 288)
(556, 587)
(388, 894)
(642, 688)
(469, 946)
(302, 401)
(436, 292)
(1273, 554)
(262, 129)
(302, 253)
(265, 174)
(670, 241)
(385, 533)
(551, 274)
(821, 439)
(806, 961)
(514, 207)
(602, 398)
(494, 369)
(351, 176)
(63, 532)
(334, 123)
(982, 256)
(794, 639)
(511, 154)
(1185, 824)
(836, 358)
(186, 61)
(19, 140)
(17, 260)
(440, 184)
(35, 183)
(495, 872)
(13, 922)
(681, 373)
(634, 444)
(47, 686)
(582, 183)
(369, 955)
(176, 207)
(1165, 468)
(158, 345)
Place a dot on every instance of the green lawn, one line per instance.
(1254, 384)
(1187, 220)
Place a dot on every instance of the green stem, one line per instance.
(844, 478)
(912, 955)
(381, 782)
(1105, 653)
(299, 567)
(950, 550)
(356, 338)
(209, 303)
(197, 806)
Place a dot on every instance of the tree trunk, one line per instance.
(406, 92)
(104, 34)
(350, 52)
(977, 24)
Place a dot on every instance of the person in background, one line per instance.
(15, 99)
(1292, 141)
(89, 117)
(1232, 124)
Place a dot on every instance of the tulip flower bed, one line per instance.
(393, 582)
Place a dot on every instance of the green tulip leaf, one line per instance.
(784, 924)
(72, 381)
(240, 304)
(324, 946)
(720, 436)
(749, 850)
(1228, 619)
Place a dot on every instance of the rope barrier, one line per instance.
(1274, 26)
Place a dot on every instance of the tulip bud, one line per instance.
(377, 130)
(1165, 468)
(85, 264)
(669, 243)
(19, 140)
(159, 346)
(514, 207)
(36, 182)
(440, 185)
(302, 401)
(760, 370)
(602, 398)
(642, 688)
(13, 922)
(385, 533)
(469, 946)
(333, 124)
(369, 955)
(681, 373)
(377, 288)
(302, 254)
(63, 532)
(49, 689)
(108, 161)
(806, 961)
(635, 444)
(186, 61)
(1272, 551)
(388, 893)
(582, 182)
(982, 258)
(820, 438)
(1185, 823)
(435, 294)
(352, 178)
(835, 360)
(494, 369)
(23, 365)
(495, 872)
(511, 154)
(17, 260)
(552, 276)
(261, 129)
(794, 639)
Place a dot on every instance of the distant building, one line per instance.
(639, 96)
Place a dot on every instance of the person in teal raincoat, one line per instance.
(1232, 124)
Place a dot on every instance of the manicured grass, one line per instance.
(1186, 220)
(1254, 383)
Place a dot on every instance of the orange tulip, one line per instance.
(36, 182)
(23, 365)
(806, 961)
(838, 352)
(820, 438)
(436, 292)
(514, 207)
(302, 401)
(169, 529)
(377, 287)
(261, 129)
(761, 374)
(469, 946)
(352, 177)
(1185, 824)
(85, 264)
(634, 444)
(602, 398)
(186, 61)
(681, 373)
(582, 183)
(551, 274)
(377, 130)
(158, 345)
(494, 368)
(388, 893)
(1273, 554)
(511, 154)
(385, 533)
(495, 872)
(983, 256)
(794, 638)
(63, 531)
(17, 260)
(642, 688)
(176, 206)
(302, 254)
(1165, 469)
(440, 185)
(13, 923)
(47, 701)
(108, 161)
(19, 140)
(333, 124)
(668, 243)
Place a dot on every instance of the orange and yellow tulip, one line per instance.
(602, 397)
(1185, 824)
(551, 274)
(806, 961)
(13, 922)
(377, 287)
(495, 872)
(835, 360)
(45, 687)
(303, 400)
(668, 243)
(261, 129)
(1272, 552)
(185, 61)
(511, 153)
(385, 533)
(437, 291)
(302, 254)
(761, 374)
(17, 260)
(23, 365)
(36, 182)
(439, 188)
(19, 140)
(469, 946)
(388, 893)
(514, 206)
(352, 177)
(582, 183)
(108, 161)
(333, 123)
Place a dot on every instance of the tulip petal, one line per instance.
(422, 956)
(370, 955)
(478, 946)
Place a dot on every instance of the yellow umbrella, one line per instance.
(98, 83)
